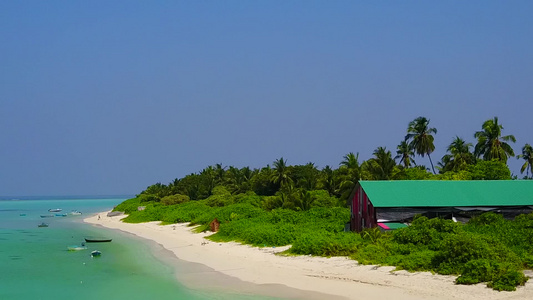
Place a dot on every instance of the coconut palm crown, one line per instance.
(527, 155)
(381, 167)
(281, 174)
(491, 144)
(420, 138)
(350, 161)
(405, 154)
(459, 155)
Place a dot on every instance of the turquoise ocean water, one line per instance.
(35, 262)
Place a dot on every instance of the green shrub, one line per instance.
(325, 243)
(459, 249)
(257, 234)
(508, 281)
(220, 197)
(375, 254)
(499, 276)
(478, 270)
(152, 212)
(488, 218)
(185, 212)
(174, 199)
(323, 199)
(417, 261)
(228, 213)
(424, 231)
(128, 206)
(271, 202)
(250, 198)
(148, 198)
(371, 235)
(406, 249)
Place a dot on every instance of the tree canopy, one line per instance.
(490, 142)
(420, 138)
(302, 187)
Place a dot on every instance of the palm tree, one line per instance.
(405, 154)
(328, 181)
(444, 165)
(208, 180)
(350, 161)
(261, 182)
(382, 165)
(350, 173)
(233, 178)
(247, 174)
(281, 174)
(459, 157)
(306, 176)
(219, 173)
(305, 200)
(421, 140)
(491, 144)
(527, 155)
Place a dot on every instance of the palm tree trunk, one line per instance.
(431, 162)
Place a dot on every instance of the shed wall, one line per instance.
(363, 213)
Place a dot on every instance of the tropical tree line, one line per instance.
(296, 186)
(491, 146)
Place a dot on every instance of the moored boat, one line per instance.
(61, 215)
(75, 212)
(97, 240)
(76, 248)
(96, 253)
(55, 210)
(47, 216)
(42, 225)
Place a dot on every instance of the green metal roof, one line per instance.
(433, 193)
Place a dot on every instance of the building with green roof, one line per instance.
(374, 202)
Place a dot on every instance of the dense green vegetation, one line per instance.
(305, 207)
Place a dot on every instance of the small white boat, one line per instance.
(55, 210)
(96, 253)
(76, 248)
(75, 213)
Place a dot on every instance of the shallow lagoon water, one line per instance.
(36, 264)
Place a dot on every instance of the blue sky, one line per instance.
(108, 97)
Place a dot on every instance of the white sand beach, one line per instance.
(315, 277)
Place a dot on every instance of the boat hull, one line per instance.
(93, 240)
